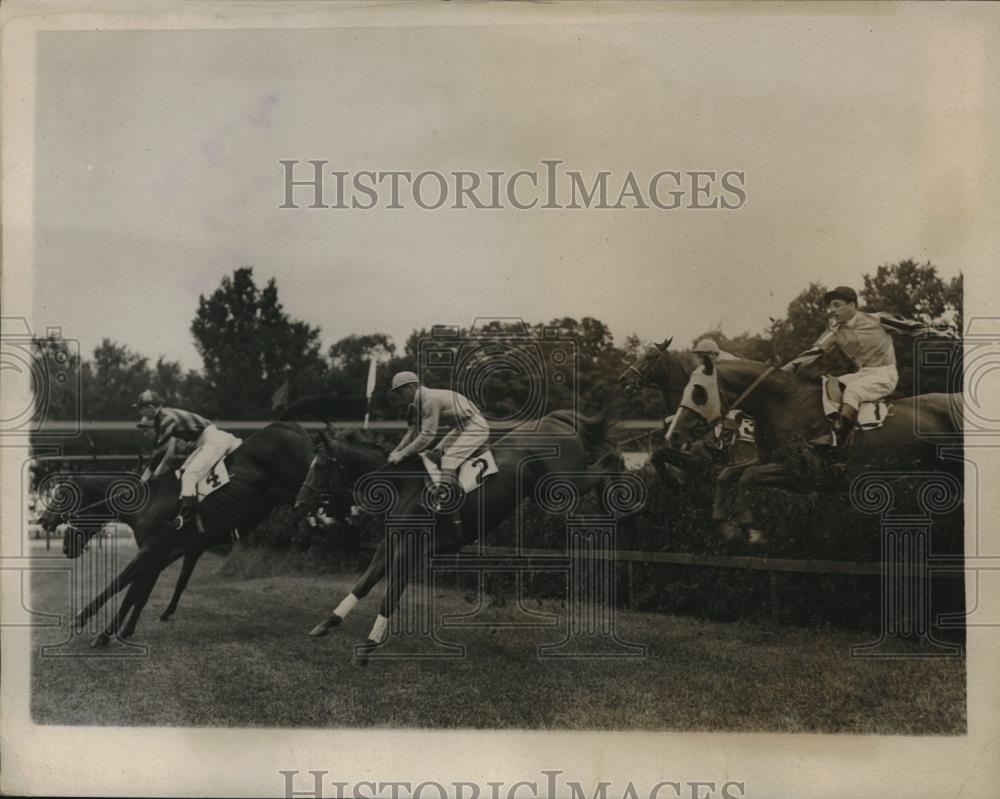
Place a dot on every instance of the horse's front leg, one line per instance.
(123, 580)
(768, 475)
(374, 573)
(724, 485)
(139, 602)
(190, 560)
(398, 576)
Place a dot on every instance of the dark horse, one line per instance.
(788, 413)
(265, 471)
(87, 502)
(564, 443)
(668, 372)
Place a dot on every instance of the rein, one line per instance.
(746, 393)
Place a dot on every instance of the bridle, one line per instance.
(649, 364)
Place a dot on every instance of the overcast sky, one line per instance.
(864, 140)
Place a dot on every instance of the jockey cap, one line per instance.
(841, 293)
(707, 345)
(148, 397)
(401, 379)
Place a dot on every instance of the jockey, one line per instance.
(708, 347)
(172, 424)
(865, 339)
(433, 409)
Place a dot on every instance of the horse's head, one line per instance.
(659, 368)
(700, 407)
(326, 480)
(76, 539)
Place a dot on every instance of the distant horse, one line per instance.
(669, 372)
(788, 413)
(265, 471)
(104, 498)
(563, 442)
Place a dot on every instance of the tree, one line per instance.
(250, 346)
(917, 291)
(113, 380)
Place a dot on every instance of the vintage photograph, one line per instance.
(453, 373)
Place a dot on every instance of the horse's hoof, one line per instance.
(165, 616)
(756, 537)
(362, 652)
(101, 641)
(325, 626)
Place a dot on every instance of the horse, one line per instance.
(105, 498)
(563, 442)
(788, 413)
(669, 372)
(265, 471)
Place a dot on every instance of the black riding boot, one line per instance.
(845, 422)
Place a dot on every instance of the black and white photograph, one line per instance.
(485, 400)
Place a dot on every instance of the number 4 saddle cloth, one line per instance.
(871, 415)
(215, 478)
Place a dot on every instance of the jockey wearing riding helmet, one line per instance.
(866, 339)
(173, 424)
(434, 409)
(710, 348)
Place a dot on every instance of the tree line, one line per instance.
(256, 358)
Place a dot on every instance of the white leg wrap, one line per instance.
(379, 629)
(346, 606)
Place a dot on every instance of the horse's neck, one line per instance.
(778, 404)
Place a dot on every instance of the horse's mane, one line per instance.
(359, 438)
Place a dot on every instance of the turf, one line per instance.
(237, 654)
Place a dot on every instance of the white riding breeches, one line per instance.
(868, 384)
(213, 444)
(461, 443)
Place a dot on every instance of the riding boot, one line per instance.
(449, 532)
(845, 423)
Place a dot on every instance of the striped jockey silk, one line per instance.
(865, 339)
(176, 423)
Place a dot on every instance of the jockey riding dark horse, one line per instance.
(562, 444)
(264, 471)
(795, 448)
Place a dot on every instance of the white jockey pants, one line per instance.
(461, 442)
(213, 444)
(868, 384)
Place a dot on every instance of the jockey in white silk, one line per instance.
(436, 409)
(865, 338)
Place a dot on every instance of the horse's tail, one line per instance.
(594, 431)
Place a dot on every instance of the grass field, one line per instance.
(237, 654)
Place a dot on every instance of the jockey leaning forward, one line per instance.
(173, 424)
(432, 410)
(865, 338)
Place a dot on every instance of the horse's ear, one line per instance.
(708, 363)
(666, 344)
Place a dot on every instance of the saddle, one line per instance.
(214, 479)
(871, 415)
(471, 474)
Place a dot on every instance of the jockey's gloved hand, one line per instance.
(188, 507)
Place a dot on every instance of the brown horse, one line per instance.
(265, 471)
(563, 443)
(87, 502)
(788, 413)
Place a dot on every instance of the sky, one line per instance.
(865, 138)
